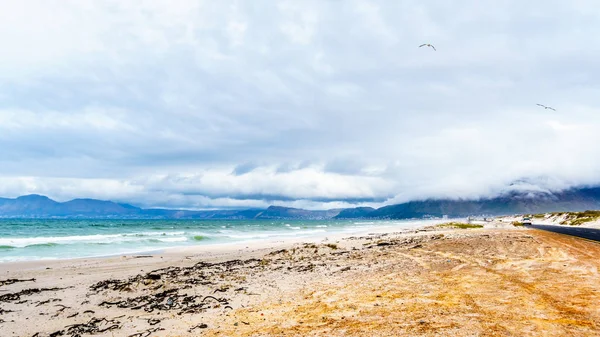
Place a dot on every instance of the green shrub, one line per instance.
(459, 225)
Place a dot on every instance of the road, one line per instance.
(586, 233)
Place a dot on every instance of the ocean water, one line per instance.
(22, 240)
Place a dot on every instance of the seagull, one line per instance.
(427, 45)
(546, 107)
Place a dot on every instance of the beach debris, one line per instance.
(117, 285)
(62, 307)
(222, 289)
(153, 276)
(14, 280)
(48, 301)
(304, 268)
(73, 315)
(17, 296)
(89, 312)
(3, 311)
(167, 300)
(146, 333)
(277, 252)
(214, 298)
(199, 326)
(153, 321)
(93, 326)
(197, 274)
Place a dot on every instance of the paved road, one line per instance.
(587, 233)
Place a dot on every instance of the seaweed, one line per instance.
(14, 280)
(93, 326)
(17, 296)
(146, 333)
(166, 301)
(199, 326)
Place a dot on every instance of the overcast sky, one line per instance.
(315, 104)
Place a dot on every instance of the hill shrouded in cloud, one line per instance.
(36, 206)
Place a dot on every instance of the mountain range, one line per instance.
(39, 206)
(577, 199)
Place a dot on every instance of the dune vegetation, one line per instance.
(460, 225)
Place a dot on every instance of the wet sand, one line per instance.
(451, 282)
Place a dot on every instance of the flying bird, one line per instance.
(546, 107)
(427, 45)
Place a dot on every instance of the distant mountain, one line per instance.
(28, 204)
(579, 199)
(355, 213)
(37, 206)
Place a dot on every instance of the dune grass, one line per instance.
(579, 218)
(573, 218)
(460, 225)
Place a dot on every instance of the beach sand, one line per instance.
(497, 281)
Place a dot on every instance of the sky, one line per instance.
(313, 104)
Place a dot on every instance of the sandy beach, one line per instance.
(496, 281)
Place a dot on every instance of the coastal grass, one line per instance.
(517, 224)
(460, 225)
(580, 218)
(571, 218)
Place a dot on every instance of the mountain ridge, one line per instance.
(576, 199)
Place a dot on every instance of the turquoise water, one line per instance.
(22, 240)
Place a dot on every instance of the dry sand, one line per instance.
(475, 282)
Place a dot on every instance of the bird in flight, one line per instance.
(546, 107)
(427, 45)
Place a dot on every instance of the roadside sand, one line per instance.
(476, 282)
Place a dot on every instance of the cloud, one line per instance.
(225, 104)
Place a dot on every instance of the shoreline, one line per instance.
(381, 226)
(209, 251)
(339, 286)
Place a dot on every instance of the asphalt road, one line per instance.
(587, 233)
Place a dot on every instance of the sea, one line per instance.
(34, 239)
